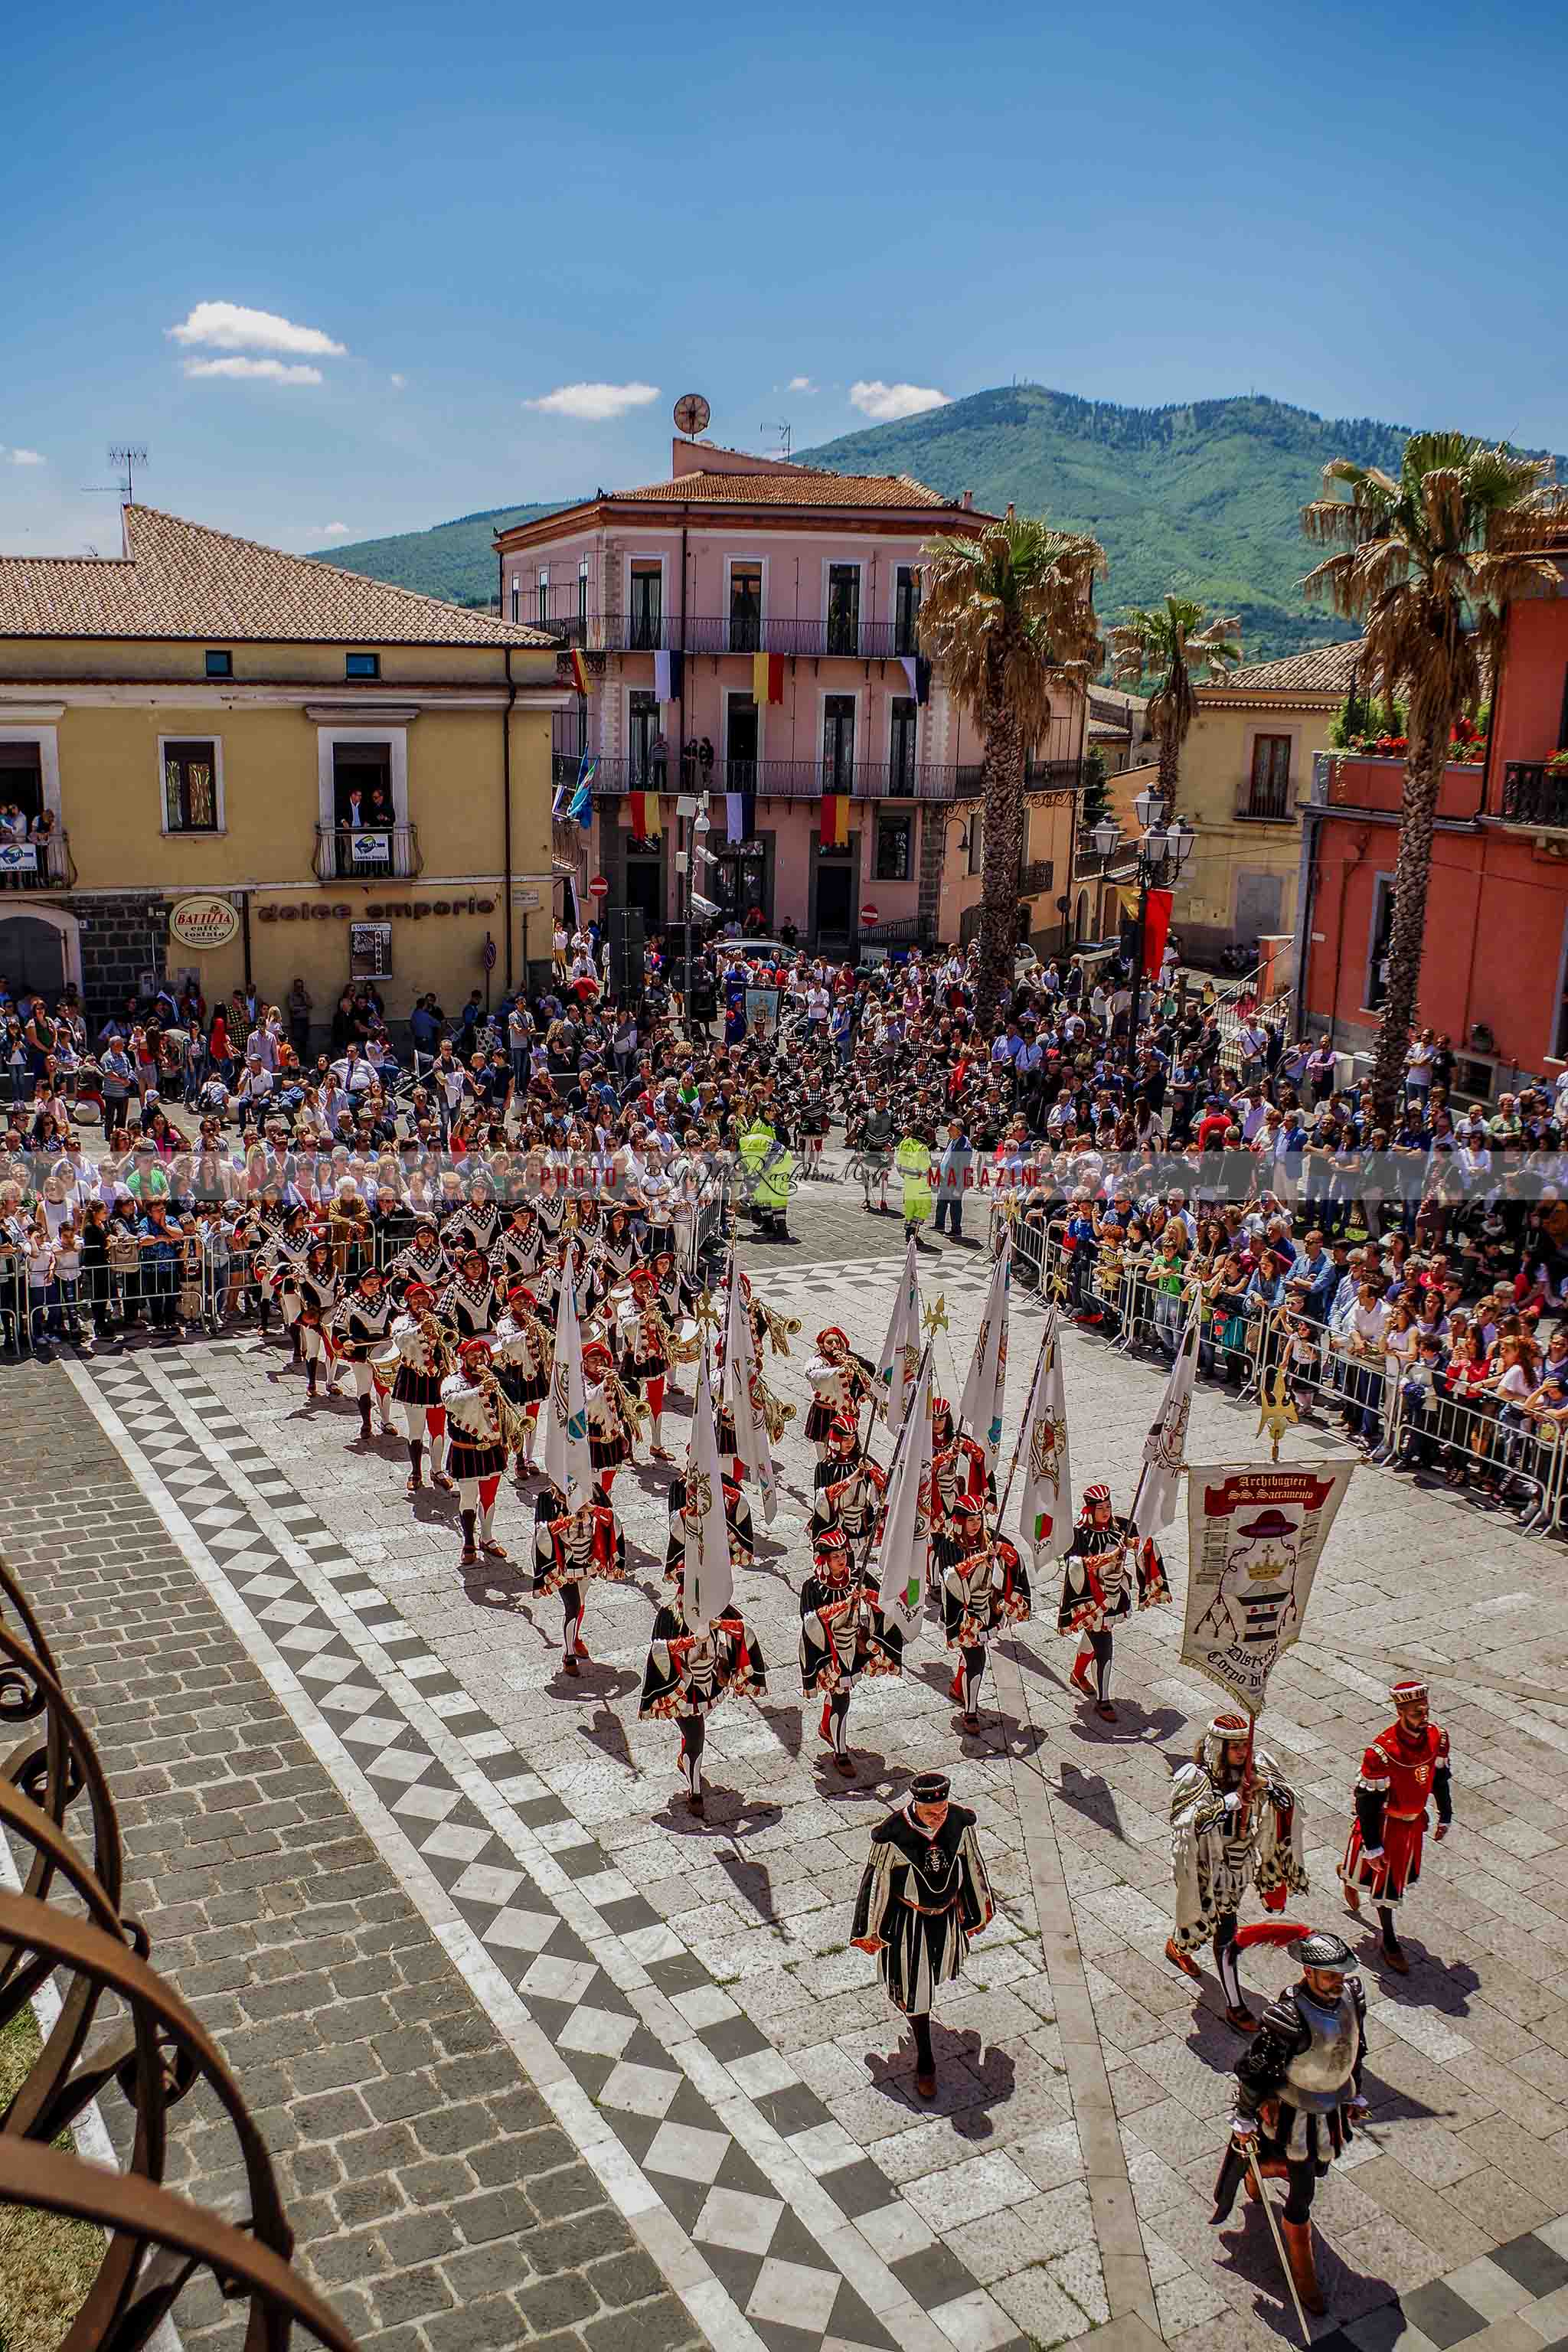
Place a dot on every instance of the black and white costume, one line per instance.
(476, 1455)
(570, 1549)
(1107, 1571)
(691, 1670)
(843, 1636)
(363, 1320)
(985, 1590)
(1220, 1840)
(922, 1894)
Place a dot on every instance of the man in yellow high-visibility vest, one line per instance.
(912, 1164)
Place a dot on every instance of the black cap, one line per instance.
(929, 1788)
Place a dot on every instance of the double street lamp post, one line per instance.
(1163, 848)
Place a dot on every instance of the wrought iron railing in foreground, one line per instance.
(119, 2027)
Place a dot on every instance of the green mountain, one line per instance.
(1203, 497)
(453, 560)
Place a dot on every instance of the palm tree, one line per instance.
(1174, 639)
(1426, 566)
(1009, 615)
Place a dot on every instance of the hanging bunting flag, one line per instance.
(903, 1557)
(901, 1356)
(759, 679)
(740, 815)
(661, 682)
(776, 678)
(1045, 1508)
(917, 670)
(980, 1407)
(643, 817)
(579, 670)
(834, 829)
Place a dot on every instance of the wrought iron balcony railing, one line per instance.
(1264, 804)
(367, 853)
(804, 780)
(839, 637)
(1533, 794)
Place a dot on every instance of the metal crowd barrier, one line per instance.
(57, 1807)
(163, 1286)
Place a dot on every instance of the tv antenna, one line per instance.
(781, 429)
(691, 413)
(125, 457)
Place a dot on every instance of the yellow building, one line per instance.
(358, 776)
(1246, 765)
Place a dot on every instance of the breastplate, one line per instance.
(1317, 2078)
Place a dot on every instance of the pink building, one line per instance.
(671, 592)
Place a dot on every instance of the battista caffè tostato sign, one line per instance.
(203, 920)
(373, 910)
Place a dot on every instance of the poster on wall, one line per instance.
(1254, 1539)
(371, 848)
(370, 950)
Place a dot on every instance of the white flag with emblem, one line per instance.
(901, 1356)
(1046, 1503)
(903, 1557)
(1165, 1447)
(980, 1407)
(567, 1462)
(710, 1577)
(743, 1395)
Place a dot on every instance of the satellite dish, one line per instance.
(691, 412)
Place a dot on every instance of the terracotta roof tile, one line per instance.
(802, 486)
(1321, 670)
(180, 580)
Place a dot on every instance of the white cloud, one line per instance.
(398, 381)
(595, 403)
(230, 327)
(885, 402)
(336, 530)
(26, 457)
(800, 383)
(266, 371)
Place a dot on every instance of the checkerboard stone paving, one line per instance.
(739, 2065)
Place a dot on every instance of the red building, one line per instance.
(1496, 914)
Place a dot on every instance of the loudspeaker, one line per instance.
(628, 943)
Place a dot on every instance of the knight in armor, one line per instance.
(318, 1284)
(1403, 1769)
(923, 1896)
(1298, 2097)
(363, 1319)
(985, 1591)
(1106, 1569)
(849, 1486)
(521, 1357)
(840, 1380)
(691, 1670)
(570, 1549)
(475, 1448)
(1233, 1816)
(843, 1636)
(416, 1384)
(644, 1338)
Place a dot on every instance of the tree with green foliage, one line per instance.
(1009, 616)
(1427, 562)
(1177, 642)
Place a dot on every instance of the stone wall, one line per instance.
(120, 942)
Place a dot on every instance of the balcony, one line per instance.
(804, 780)
(1535, 794)
(367, 853)
(1265, 803)
(43, 864)
(833, 639)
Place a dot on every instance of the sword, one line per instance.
(1278, 2242)
(1233, 2167)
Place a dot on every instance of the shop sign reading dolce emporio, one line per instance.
(372, 910)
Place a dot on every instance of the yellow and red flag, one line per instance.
(642, 814)
(835, 833)
(579, 670)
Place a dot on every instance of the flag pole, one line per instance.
(1048, 1338)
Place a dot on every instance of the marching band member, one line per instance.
(676, 1295)
(423, 1261)
(1096, 1589)
(843, 1636)
(318, 1296)
(691, 1670)
(475, 1448)
(985, 1590)
(609, 1439)
(569, 1547)
(516, 1252)
(645, 1353)
(474, 1225)
(841, 1380)
(416, 1387)
(619, 1249)
(1403, 1767)
(737, 1520)
(924, 1895)
(849, 1486)
(468, 1302)
(363, 1317)
(521, 1357)
(1230, 1817)
(286, 1255)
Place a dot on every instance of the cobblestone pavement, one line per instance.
(682, 1994)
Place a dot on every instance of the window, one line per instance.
(190, 788)
(544, 597)
(647, 608)
(1381, 933)
(838, 742)
(362, 665)
(583, 589)
(907, 610)
(219, 664)
(901, 748)
(894, 836)
(745, 608)
(843, 608)
(976, 843)
(1270, 782)
(22, 779)
(642, 727)
(516, 598)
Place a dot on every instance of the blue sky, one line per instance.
(443, 216)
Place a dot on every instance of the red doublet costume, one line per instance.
(1399, 1774)
(578, 1546)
